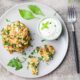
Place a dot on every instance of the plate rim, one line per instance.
(67, 39)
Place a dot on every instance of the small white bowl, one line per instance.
(53, 29)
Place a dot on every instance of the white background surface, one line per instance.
(67, 71)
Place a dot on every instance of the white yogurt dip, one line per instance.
(50, 28)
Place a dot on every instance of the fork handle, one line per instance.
(75, 50)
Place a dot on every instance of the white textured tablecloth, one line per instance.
(67, 70)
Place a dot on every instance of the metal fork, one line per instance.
(72, 19)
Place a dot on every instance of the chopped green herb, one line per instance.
(35, 50)
(40, 58)
(36, 10)
(46, 48)
(30, 56)
(14, 45)
(51, 56)
(43, 40)
(33, 64)
(6, 43)
(7, 20)
(8, 31)
(24, 38)
(16, 63)
(29, 43)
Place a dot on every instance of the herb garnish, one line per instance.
(26, 14)
(14, 45)
(6, 43)
(35, 50)
(16, 63)
(45, 25)
(8, 31)
(36, 10)
(40, 58)
(7, 20)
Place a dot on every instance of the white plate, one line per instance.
(61, 45)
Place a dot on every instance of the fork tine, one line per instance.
(69, 12)
(74, 11)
